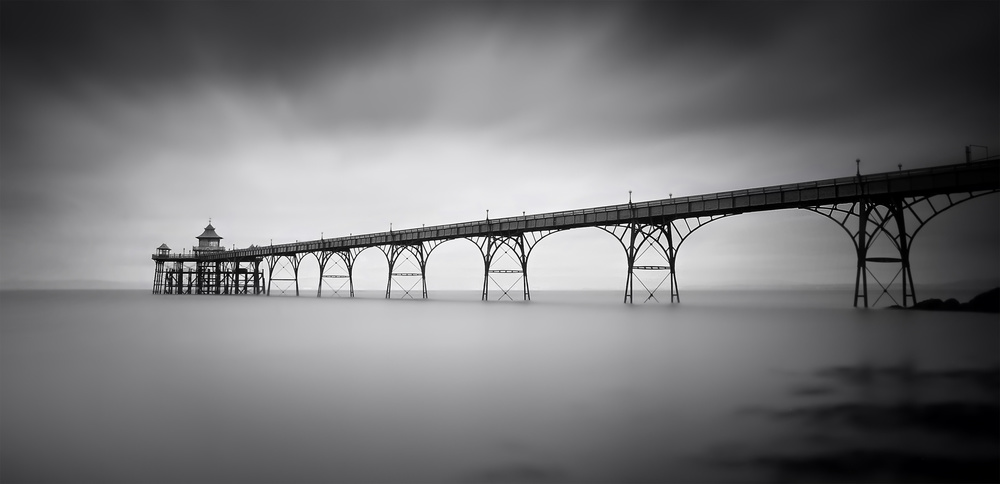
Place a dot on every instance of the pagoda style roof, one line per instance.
(163, 246)
(209, 233)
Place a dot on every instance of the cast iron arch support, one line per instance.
(322, 257)
(664, 238)
(292, 266)
(413, 255)
(886, 216)
(508, 253)
(326, 258)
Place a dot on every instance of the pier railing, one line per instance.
(980, 175)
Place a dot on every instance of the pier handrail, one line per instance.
(979, 175)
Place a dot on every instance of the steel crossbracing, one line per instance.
(336, 271)
(655, 243)
(404, 259)
(505, 260)
(876, 210)
(897, 220)
(283, 272)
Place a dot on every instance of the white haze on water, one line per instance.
(574, 387)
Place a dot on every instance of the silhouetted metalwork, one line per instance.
(892, 206)
(878, 214)
(193, 273)
(404, 259)
(652, 248)
(505, 254)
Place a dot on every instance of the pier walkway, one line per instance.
(894, 205)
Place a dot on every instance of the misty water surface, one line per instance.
(573, 387)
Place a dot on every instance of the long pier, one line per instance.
(893, 206)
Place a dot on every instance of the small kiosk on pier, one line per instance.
(206, 269)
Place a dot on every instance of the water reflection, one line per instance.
(892, 423)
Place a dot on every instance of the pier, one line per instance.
(891, 206)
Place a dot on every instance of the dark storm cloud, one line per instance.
(160, 43)
(284, 43)
(109, 106)
(299, 54)
(814, 65)
(647, 68)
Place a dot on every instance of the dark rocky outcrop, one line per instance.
(987, 302)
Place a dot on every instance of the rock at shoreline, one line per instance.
(987, 302)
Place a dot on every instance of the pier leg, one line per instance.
(388, 285)
(348, 256)
(487, 250)
(513, 251)
(322, 258)
(630, 260)
(861, 244)
(270, 274)
(256, 278)
(403, 260)
(909, 291)
(158, 278)
(652, 249)
(675, 295)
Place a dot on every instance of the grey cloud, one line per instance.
(820, 65)
(299, 105)
(595, 71)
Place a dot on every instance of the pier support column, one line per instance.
(218, 273)
(504, 255)
(407, 262)
(505, 261)
(258, 286)
(892, 220)
(227, 271)
(322, 258)
(647, 241)
(861, 246)
(651, 249)
(158, 276)
(877, 219)
(336, 266)
(285, 269)
(909, 290)
(201, 280)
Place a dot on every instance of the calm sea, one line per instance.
(122, 386)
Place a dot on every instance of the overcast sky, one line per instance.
(129, 124)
